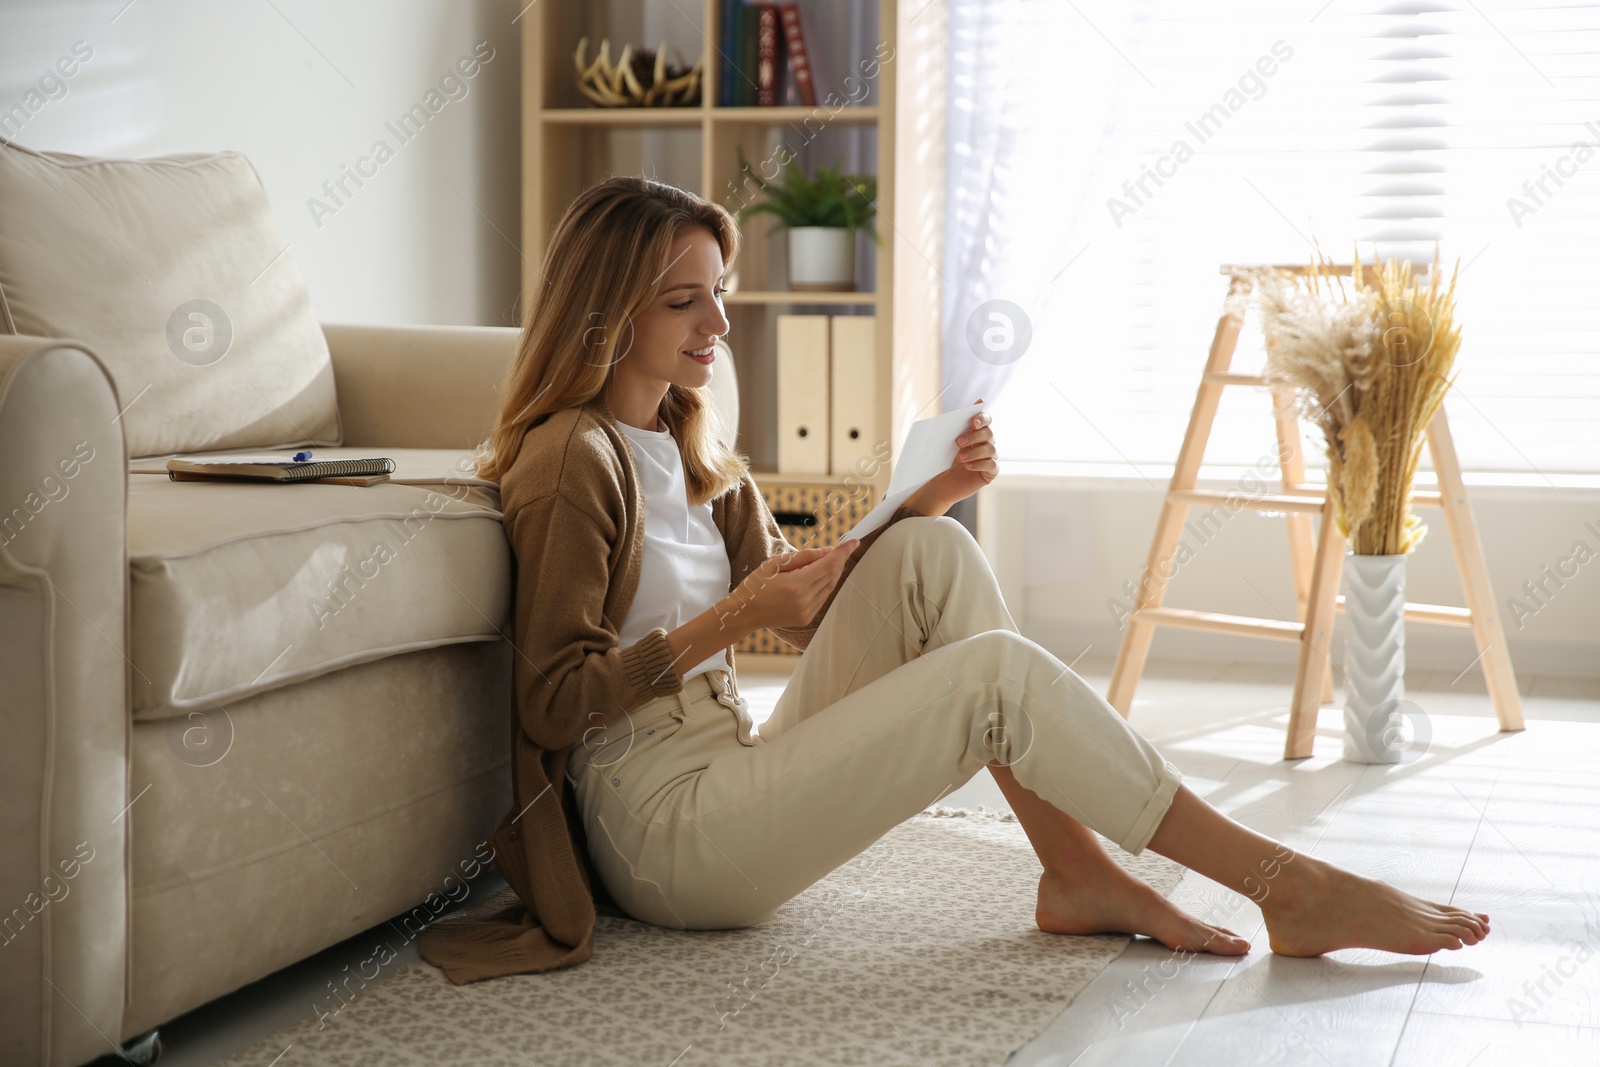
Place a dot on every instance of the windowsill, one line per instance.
(1061, 474)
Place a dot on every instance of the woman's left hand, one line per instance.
(974, 467)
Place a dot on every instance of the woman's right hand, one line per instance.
(790, 588)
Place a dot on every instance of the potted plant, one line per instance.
(821, 213)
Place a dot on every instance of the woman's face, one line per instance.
(671, 342)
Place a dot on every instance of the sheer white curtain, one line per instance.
(1026, 135)
(1106, 158)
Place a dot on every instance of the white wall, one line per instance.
(304, 88)
(1062, 549)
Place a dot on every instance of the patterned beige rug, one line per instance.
(921, 950)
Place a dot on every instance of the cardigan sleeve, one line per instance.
(568, 663)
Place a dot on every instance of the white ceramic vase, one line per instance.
(1375, 659)
(822, 258)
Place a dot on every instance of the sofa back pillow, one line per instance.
(172, 271)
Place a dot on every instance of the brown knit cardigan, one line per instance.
(574, 512)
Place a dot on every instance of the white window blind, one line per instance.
(1240, 132)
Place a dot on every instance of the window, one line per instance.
(1106, 158)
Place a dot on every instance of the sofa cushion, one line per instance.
(173, 272)
(239, 588)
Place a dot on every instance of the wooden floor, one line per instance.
(1507, 824)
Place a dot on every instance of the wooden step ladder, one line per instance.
(1316, 566)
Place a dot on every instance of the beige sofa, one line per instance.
(154, 857)
(242, 722)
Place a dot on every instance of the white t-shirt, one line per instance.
(684, 567)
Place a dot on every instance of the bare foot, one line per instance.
(1325, 908)
(1115, 902)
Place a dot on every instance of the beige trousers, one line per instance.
(916, 679)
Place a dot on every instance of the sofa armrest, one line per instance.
(418, 386)
(64, 767)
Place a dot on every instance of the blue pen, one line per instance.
(301, 457)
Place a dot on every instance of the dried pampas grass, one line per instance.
(1357, 480)
(1369, 363)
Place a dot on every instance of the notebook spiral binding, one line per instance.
(338, 468)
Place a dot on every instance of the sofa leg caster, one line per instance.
(143, 1050)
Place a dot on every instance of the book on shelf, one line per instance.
(758, 42)
(342, 471)
(799, 58)
(769, 53)
(749, 33)
(728, 37)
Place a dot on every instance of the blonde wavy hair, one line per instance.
(604, 265)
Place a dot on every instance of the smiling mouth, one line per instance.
(701, 353)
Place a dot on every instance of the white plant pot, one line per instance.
(1375, 659)
(822, 257)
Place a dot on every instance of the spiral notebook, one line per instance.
(342, 471)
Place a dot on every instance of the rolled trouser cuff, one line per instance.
(1144, 827)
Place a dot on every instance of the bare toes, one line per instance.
(1224, 942)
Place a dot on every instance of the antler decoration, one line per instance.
(620, 85)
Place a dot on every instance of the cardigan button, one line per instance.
(616, 781)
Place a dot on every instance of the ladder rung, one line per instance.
(1443, 614)
(1238, 500)
(1228, 377)
(1243, 625)
(1342, 269)
(1421, 497)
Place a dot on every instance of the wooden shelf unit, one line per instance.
(796, 296)
(568, 144)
